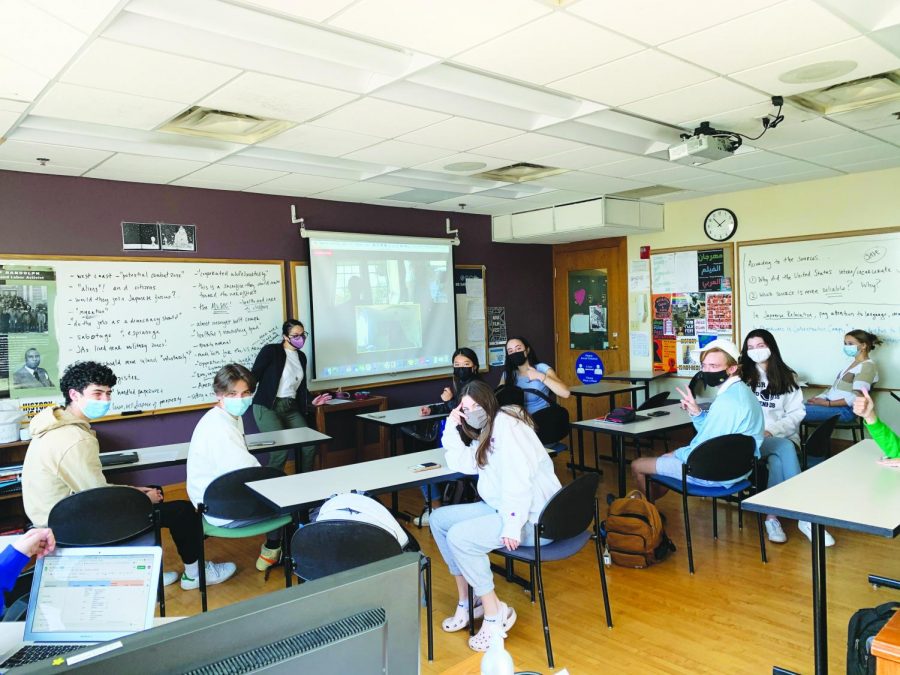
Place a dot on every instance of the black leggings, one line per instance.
(184, 525)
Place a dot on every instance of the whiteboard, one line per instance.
(810, 292)
(164, 326)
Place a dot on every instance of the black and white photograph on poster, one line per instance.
(140, 236)
(598, 318)
(178, 237)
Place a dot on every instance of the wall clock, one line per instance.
(720, 224)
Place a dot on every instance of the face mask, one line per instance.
(476, 418)
(851, 350)
(463, 374)
(516, 359)
(759, 355)
(237, 406)
(714, 378)
(297, 342)
(95, 409)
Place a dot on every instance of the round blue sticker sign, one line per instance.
(589, 368)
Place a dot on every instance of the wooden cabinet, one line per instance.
(12, 514)
(351, 440)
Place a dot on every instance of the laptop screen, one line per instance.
(93, 594)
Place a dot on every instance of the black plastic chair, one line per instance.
(724, 458)
(571, 519)
(228, 497)
(818, 444)
(114, 515)
(327, 547)
(856, 427)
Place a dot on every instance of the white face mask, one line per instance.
(759, 355)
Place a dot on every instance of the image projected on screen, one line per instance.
(381, 305)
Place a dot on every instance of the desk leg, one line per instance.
(619, 444)
(395, 498)
(820, 608)
(580, 433)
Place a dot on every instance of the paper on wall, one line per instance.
(663, 270)
(639, 275)
(685, 275)
(474, 287)
(640, 345)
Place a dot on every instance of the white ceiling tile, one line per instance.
(890, 134)
(769, 172)
(436, 26)
(317, 140)
(589, 182)
(33, 167)
(467, 204)
(398, 153)
(679, 196)
(550, 48)
(145, 72)
(872, 164)
(7, 105)
(581, 158)
(736, 186)
(815, 174)
(236, 177)
(793, 130)
(869, 57)
(299, 185)
(653, 22)
(379, 118)
(870, 117)
(59, 156)
(463, 157)
(630, 167)
(458, 133)
(84, 15)
(18, 82)
(36, 40)
(748, 160)
(526, 147)
(7, 119)
(632, 78)
(850, 157)
(707, 98)
(810, 150)
(316, 10)
(69, 101)
(673, 172)
(714, 181)
(762, 37)
(276, 97)
(870, 15)
(143, 169)
(553, 198)
(360, 192)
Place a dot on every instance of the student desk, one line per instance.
(290, 493)
(609, 389)
(676, 419)
(644, 377)
(850, 490)
(886, 647)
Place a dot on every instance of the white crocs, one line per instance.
(482, 639)
(460, 619)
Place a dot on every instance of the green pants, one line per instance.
(284, 414)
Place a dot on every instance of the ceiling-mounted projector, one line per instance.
(705, 145)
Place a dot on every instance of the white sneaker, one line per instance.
(806, 528)
(774, 531)
(169, 578)
(422, 521)
(216, 573)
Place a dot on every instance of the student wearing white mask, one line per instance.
(781, 400)
(860, 375)
(515, 480)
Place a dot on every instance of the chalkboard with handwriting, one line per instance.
(810, 291)
(164, 326)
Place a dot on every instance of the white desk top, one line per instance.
(604, 388)
(676, 418)
(398, 416)
(379, 475)
(635, 375)
(850, 490)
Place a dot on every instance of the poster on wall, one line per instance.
(664, 355)
(719, 312)
(496, 325)
(710, 269)
(688, 355)
(588, 305)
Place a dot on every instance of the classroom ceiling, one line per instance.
(402, 102)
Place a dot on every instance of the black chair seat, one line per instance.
(556, 550)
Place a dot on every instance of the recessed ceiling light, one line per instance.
(818, 72)
(465, 166)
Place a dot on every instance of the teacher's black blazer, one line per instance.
(267, 370)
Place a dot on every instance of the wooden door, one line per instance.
(601, 254)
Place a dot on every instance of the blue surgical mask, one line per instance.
(851, 350)
(237, 406)
(95, 409)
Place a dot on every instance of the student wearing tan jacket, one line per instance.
(64, 457)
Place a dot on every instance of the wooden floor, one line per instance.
(734, 615)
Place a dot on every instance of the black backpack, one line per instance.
(865, 624)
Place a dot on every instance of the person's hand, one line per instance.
(446, 395)
(38, 542)
(457, 416)
(688, 402)
(766, 434)
(152, 493)
(425, 410)
(509, 543)
(864, 407)
(817, 400)
(534, 374)
(321, 399)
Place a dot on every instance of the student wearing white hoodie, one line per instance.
(515, 480)
(781, 400)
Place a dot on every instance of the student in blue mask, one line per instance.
(218, 447)
(860, 374)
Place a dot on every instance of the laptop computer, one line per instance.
(83, 596)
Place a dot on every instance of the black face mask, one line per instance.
(714, 378)
(463, 375)
(516, 359)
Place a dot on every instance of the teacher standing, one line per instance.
(282, 396)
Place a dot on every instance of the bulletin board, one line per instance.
(691, 303)
(470, 291)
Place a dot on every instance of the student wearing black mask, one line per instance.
(734, 411)
(465, 369)
(525, 371)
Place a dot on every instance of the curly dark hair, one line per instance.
(81, 374)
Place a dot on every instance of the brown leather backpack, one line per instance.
(635, 533)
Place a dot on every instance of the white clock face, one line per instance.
(720, 224)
